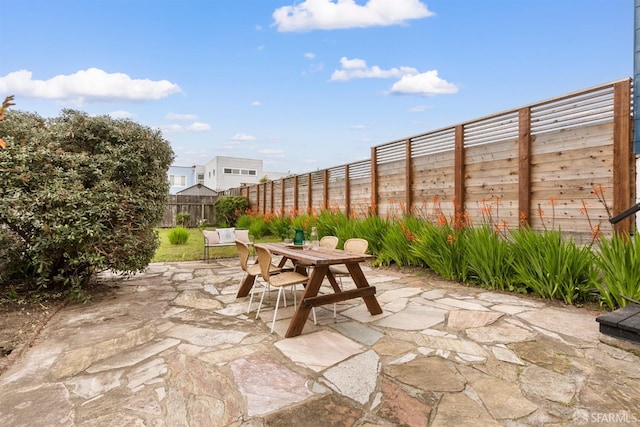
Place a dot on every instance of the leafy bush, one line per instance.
(282, 227)
(229, 208)
(442, 249)
(553, 267)
(258, 228)
(80, 194)
(618, 259)
(178, 236)
(245, 220)
(373, 229)
(329, 221)
(490, 259)
(394, 246)
(183, 218)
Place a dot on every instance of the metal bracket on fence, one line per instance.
(624, 214)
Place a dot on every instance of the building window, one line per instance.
(200, 178)
(177, 180)
(250, 172)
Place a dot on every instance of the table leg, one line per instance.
(361, 282)
(246, 286)
(311, 290)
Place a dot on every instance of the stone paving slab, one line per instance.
(173, 347)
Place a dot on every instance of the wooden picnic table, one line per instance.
(319, 259)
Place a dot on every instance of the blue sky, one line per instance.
(304, 85)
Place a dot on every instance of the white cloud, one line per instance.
(358, 69)
(256, 104)
(329, 14)
(120, 114)
(410, 80)
(199, 127)
(358, 127)
(88, 85)
(243, 137)
(309, 55)
(175, 116)
(427, 83)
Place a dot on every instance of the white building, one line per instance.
(222, 173)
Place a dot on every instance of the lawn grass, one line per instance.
(193, 249)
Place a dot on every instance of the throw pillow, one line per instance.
(227, 235)
(213, 238)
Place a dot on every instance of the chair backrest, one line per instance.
(357, 246)
(264, 260)
(330, 242)
(243, 253)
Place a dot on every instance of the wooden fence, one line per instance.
(199, 207)
(565, 162)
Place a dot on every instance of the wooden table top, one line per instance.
(318, 256)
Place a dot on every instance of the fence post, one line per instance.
(282, 197)
(408, 189)
(524, 165)
(272, 199)
(309, 198)
(325, 189)
(374, 181)
(347, 192)
(295, 193)
(459, 185)
(623, 189)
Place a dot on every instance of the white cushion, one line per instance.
(213, 238)
(227, 235)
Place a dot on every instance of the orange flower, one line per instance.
(3, 144)
(553, 201)
(523, 218)
(596, 233)
(442, 220)
(450, 239)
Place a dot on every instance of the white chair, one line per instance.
(277, 280)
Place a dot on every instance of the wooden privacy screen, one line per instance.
(539, 164)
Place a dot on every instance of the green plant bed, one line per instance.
(192, 250)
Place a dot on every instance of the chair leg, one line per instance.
(261, 299)
(275, 312)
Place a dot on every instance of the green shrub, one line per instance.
(618, 259)
(178, 236)
(373, 229)
(259, 228)
(328, 222)
(244, 221)
(394, 246)
(282, 227)
(79, 194)
(182, 218)
(553, 267)
(229, 208)
(442, 249)
(490, 258)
